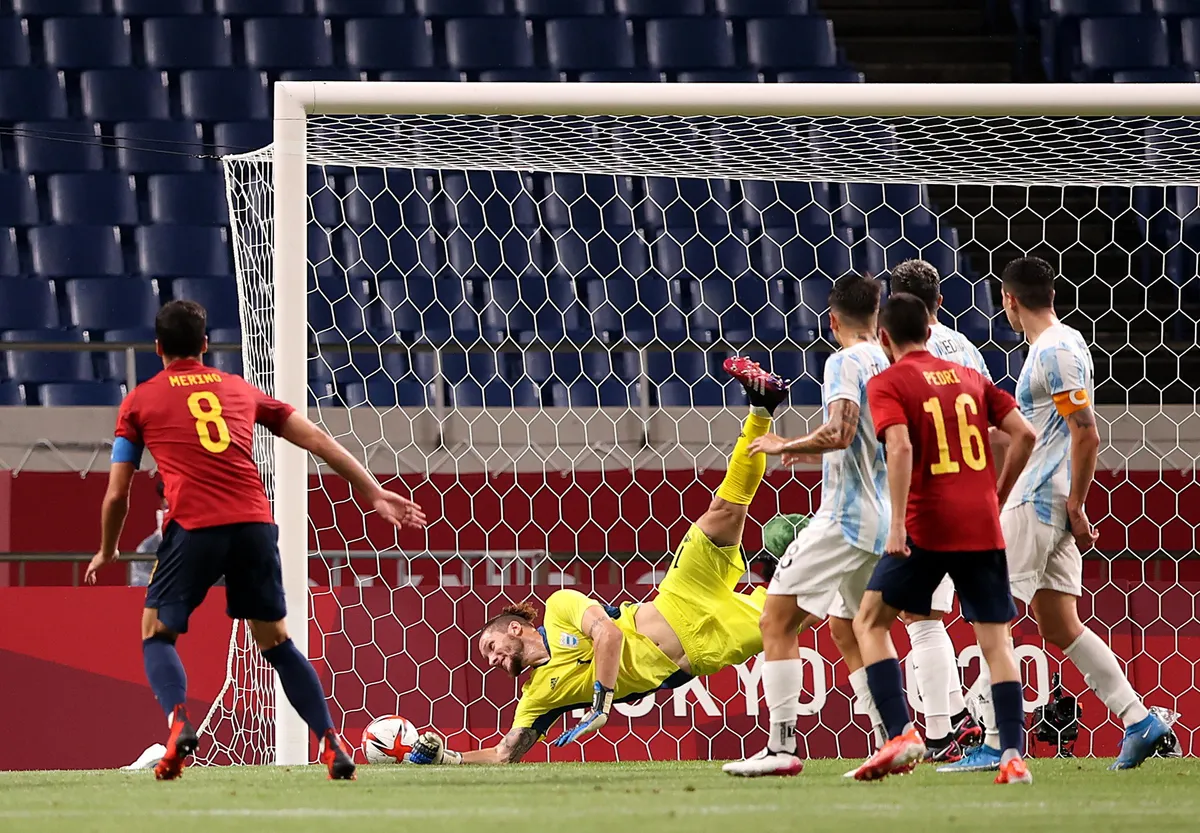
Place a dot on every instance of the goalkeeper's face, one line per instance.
(501, 648)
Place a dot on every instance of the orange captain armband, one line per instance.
(1070, 401)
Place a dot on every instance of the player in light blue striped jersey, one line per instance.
(825, 570)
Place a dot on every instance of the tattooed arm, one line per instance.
(835, 434)
(512, 749)
(1085, 449)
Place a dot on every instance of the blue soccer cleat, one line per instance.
(982, 758)
(1141, 739)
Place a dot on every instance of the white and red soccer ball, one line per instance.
(386, 740)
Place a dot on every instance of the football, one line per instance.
(386, 740)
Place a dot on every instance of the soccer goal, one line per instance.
(510, 299)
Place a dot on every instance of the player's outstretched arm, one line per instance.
(430, 749)
(835, 434)
(396, 510)
(1019, 441)
(113, 512)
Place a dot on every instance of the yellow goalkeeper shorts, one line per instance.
(717, 626)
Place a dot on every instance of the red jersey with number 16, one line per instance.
(198, 424)
(952, 503)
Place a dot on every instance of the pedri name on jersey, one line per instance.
(941, 377)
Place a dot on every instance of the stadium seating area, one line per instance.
(111, 200)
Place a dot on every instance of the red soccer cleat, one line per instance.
(337, 758)
(1014, 772)
(764, 388)
(181, 743)
(968, 732)
(900, 753)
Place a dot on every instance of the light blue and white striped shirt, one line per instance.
(1058, 362)
(953, 346)
(854, 492)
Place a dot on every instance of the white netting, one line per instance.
(519, 318)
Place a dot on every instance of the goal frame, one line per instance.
(295, 101)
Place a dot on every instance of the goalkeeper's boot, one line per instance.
(766, 762)
(1141, 739)
(1014, 771)
(181, 743)
(337, 758)
(945, 750)
(982, 758)
(967, 730)
(895, 758)
(764, 389)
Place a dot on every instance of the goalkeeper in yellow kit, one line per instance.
(588, 655)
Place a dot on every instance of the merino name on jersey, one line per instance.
(947, 409)
(199, 427)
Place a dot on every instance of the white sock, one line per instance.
(936, 670)
(987, 709)
(958, 703)
(1103, 674)
(862, 693)
(782, 681)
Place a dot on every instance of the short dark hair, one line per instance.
(855, 297)
(180, 327)
(905, 319)
(522, 612)
(1031, 281)
(920, 278)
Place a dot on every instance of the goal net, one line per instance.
(519, 319)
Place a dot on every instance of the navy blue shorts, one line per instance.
(190, 562)
(980, 579)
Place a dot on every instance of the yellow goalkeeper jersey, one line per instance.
(566, 681)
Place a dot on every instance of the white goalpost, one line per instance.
(507, 298)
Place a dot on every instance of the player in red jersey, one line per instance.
(933, 416)
(198, 424)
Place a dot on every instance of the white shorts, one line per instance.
(825, 573)
(1040, 557)
(943, 597)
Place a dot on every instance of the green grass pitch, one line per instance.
(1068, 796)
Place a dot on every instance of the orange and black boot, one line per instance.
(181, 744)
(337, 758)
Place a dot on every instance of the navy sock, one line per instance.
(301, 685)
(1010, 715)
(164, 672)
(887, 688)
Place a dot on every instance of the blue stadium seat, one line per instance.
(18, 200)
(678, 203)
(52, 146)
(643, 310)
(103, 198)
(884, 247)
(776, 204)
(224, 94)
(146, 361)
(251, 8)
(288, 42)
(54, 8)
(815, 254)
(227, 361)
(111, 303)
(398, 198)
(589, 392)
(598, 256)
(535, 365)
(831, 75)
(76, 251)
(1189, 39)
(478, 43)
(459, 8)
(1005, 367)
(376, 255)
(689, 43)
(340, 310)
(747, 309)
(218, 295)
(389, 43)
(967, 306)
(187, 42)
(707, 392)
(432, 310)
(11, 395)
(81, 394)
(87, 42)
(589, 43)
(554, 8)
(323, 259)
(149, 8)
(529, 75)
(658, 8)
(185, 251)
(26, 303)
(1108, 44)
(424, 75)
(232, 137)
(125, 94)
(324, 198)
(790, 43)
(1060, 29)
(475, 381)
(384, 392)
(874, 206)
(720, 76)
(495, 200)
(188, 199)
(588, 202)
(32, 94)
(326, 74)
(1163, 75)
(10, 261)
(1173, 8)
(485, 254)
(34, 366)
(14, 42)
(361, 8)
(762, 8)
(681, 366)
(151, 147)
(622, 76)
(534, 309)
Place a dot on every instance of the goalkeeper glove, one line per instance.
(431, 749)
(594, 720)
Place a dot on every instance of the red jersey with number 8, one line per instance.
(198, 424)
(952, 502)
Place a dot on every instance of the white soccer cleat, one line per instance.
(765, 762)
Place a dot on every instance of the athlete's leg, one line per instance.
(842, 632)
(936, 670)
